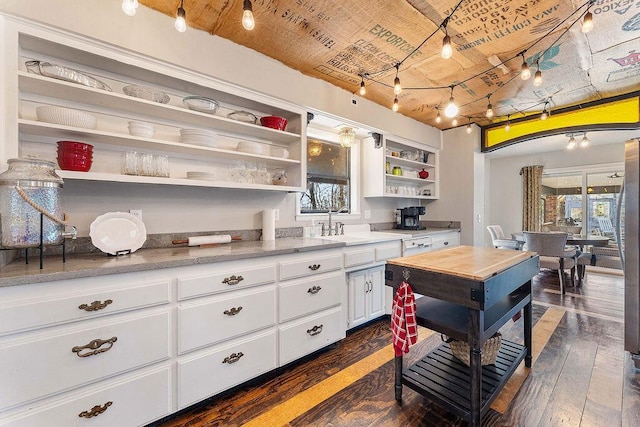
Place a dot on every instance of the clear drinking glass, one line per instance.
(161, 166)
(130, 163)
(145, 164)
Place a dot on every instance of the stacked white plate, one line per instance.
(250, 147)
(199, 137)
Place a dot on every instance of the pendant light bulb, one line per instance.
(572, 143)
(537, 79)
(585, 141)
(129, 7)
(489, 112)
(507, 127)
(363, 89)
(397, 88)
(447, 50)
(525, 72)
(451, 110)
(181, 23)
(544, 115)
(247, 16)
(469, 128)
(587, 22)
(454, 122)
(395, 104)
(438, 117)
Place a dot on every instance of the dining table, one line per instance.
(580, 240)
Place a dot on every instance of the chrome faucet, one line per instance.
(331, 213)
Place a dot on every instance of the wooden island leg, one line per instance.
(528, 325)
(475, 368)
(398, 379)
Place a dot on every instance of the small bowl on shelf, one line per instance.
(243, 116)
(250, 147)
(75, 147)
(75, 161)
(274, 122)
(279, 152)
(148, 93)
(142, 129)
(201, 104)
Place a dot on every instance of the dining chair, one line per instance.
(553, 253)
(607, 257)
(500, 240)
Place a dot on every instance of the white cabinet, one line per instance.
(445, 240)
(222, 160)
(394, 170)
(366, 295)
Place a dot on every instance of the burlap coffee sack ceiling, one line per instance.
(339, 40)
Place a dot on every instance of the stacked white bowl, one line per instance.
(142, 129)
(66, 116)
(279, 152)
(199, 137)
(250, 147)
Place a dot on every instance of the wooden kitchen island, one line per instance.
(469, 293)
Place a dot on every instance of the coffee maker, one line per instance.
(409, 218)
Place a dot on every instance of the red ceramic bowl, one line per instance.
(73, 146)
(75, 162)
(274, 122)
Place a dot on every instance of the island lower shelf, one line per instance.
(444, 379)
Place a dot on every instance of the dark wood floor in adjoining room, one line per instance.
(580, 377)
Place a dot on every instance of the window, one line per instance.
(328, 178)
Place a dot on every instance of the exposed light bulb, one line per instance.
(397, 88)
(447, 50)
(247, 16)
(585, 141)
(451, 110)
(395, 104)
(454, 122)
(537, 79)
(489, 112)
(572, 143)
(181, 24)
(469, 128)
(544, 115)
(438, 117)
(507, 127)
(587, 22)
(363, 90)
(525, 72)
(129, 7)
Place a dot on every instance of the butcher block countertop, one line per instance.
(470, 262)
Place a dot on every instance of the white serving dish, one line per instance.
(250, 147)
(199, 137)
(279, 152)
(115, 232)
(66, 117)
(243, 116)
(148, 93)
(142, 129)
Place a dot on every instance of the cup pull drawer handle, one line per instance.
(95, 411)
(315, 330)
(314, 290)
(233, 357)
(94, 346)
(233, 311)
(314, 267)
(95, 306)
(233, 280)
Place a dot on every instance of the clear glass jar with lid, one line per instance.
(29, 187)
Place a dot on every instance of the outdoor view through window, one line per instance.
(328, 178)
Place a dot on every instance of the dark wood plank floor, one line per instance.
(582, 376)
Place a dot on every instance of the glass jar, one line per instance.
(27, 183)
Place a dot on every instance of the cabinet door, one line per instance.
(375, 298)
(358, 285)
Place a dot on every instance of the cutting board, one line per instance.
(471, 262)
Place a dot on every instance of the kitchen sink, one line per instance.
(362, 238)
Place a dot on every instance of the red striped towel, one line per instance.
(403, 320)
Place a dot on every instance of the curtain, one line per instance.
(531, 197)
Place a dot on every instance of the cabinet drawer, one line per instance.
(46, 363)
(304, 297)
(445, 240)
(360, 256)
(388, 250)
(304, 336)
(224, 367)
(207, 322)
(53, 308)
(132, 402)
(225, 278)
(310, 265)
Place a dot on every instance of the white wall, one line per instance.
(461, 182)
(185, 209)
(505, 182)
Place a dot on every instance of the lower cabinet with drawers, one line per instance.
(128, 349)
